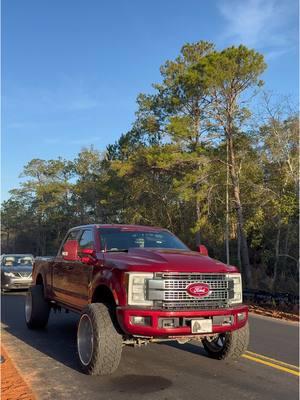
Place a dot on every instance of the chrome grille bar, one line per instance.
(168, 290)
(183, 295)
(183, 284)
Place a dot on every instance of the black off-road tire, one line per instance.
(37, 308)
(104, 356)
(235, 343)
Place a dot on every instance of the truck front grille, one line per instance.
(23, 274)
(183, 295)
(168, 290)
(182, 284)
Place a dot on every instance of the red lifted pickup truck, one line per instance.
(137, 284)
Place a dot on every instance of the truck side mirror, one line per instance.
(70, 250)
(202, 250)
(88, 256)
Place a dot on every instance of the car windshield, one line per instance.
(115, 239)
(16, 261)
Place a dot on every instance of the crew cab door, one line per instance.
(71, 278)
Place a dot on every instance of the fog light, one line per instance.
(141, 320)
(168, 323)
(241, 316)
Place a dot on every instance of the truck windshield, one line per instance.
(114, 239)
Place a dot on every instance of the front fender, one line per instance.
(112, 279)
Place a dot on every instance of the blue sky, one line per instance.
(71, 69)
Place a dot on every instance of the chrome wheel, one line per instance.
(216, 344)
(227, 345)
(85, 339)
(28, 306)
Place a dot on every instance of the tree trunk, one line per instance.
(277, 246)
(39, 252)
(239, 210)
(196, 116)
(7, 241)
(239, 248)
(198, 214)
(286, 245)
(227, 209)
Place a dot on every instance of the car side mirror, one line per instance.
(87, 256)
(202, 250)
(70, 250)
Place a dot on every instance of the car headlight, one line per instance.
(237, 288)
(137, 289)
(9, 274)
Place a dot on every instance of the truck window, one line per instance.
(86, 240)
(73, 235)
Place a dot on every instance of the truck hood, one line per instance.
(168, 260)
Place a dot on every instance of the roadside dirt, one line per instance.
(269, 312)
(13, 386)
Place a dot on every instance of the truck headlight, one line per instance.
(137, 289)
(237, 288)
(11, 274)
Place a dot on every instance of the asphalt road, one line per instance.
(48, 362)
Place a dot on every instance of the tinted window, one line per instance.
(116, 239)
(87, 240)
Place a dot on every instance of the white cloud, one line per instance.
(263, 24)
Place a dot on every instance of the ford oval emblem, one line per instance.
(198, 289)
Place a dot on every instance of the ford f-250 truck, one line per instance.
(136, 284)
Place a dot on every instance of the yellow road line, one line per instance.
(272, 359)
(276, 366)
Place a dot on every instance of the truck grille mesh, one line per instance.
(23, 274)
(194, 305)
(175, 296)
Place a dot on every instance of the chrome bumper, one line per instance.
(16, 283)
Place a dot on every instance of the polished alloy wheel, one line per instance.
(85, 339)
(216, 343)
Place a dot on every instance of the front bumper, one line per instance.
(11, 283)
(154, 329)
